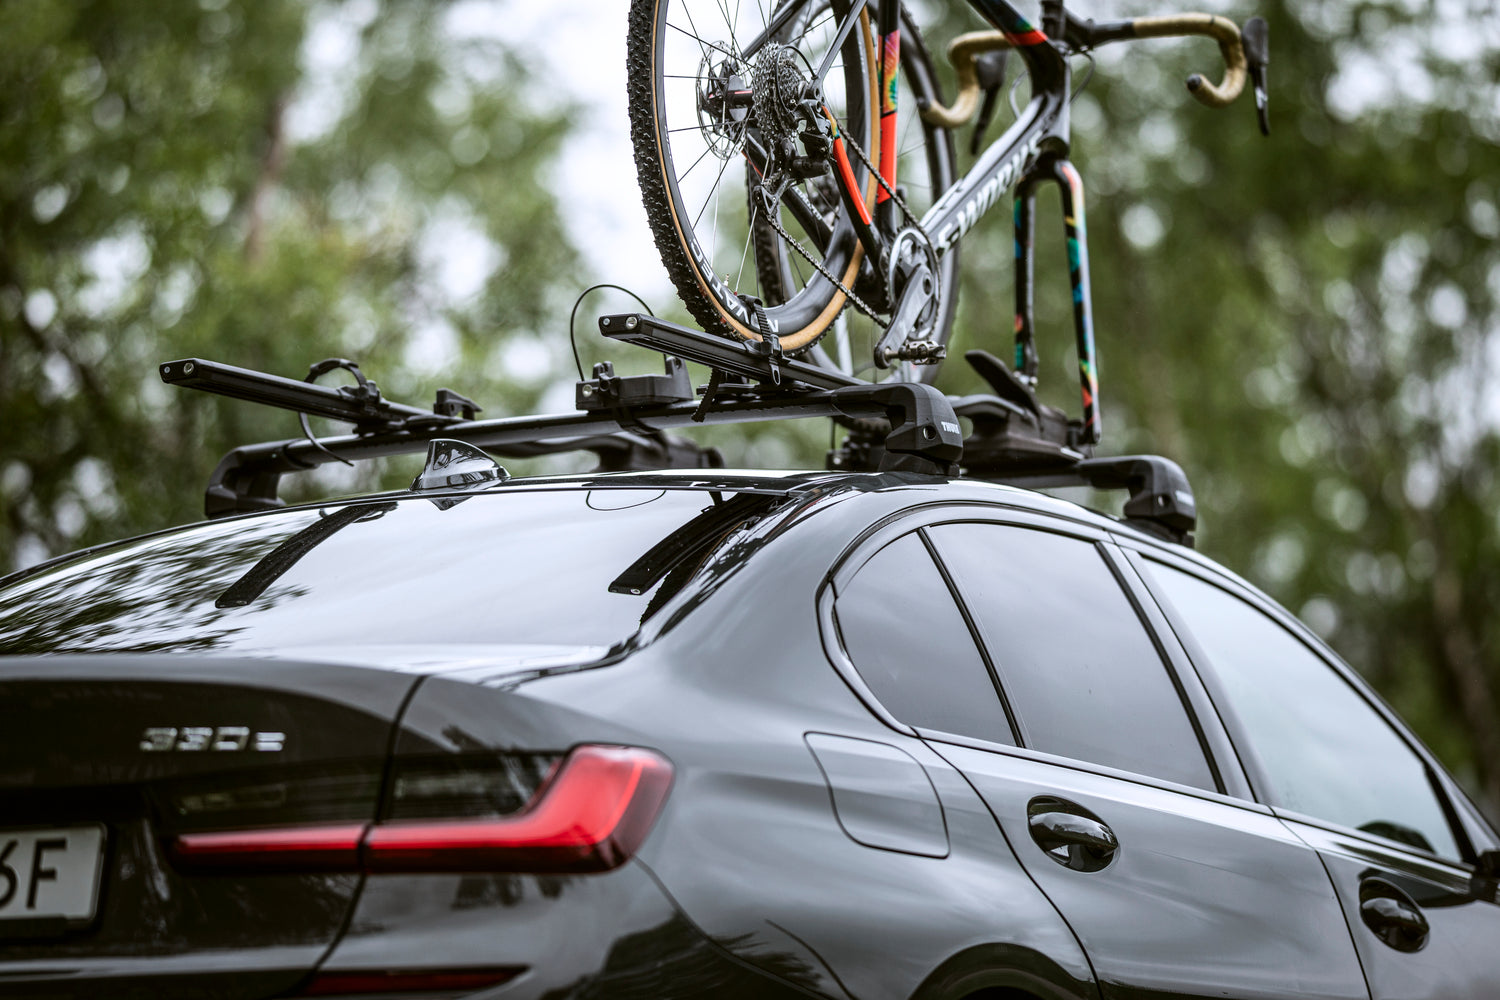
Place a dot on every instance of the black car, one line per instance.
(708, 734)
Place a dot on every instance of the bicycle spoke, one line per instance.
(713, 252)
(749, 235)
(906, 128)
(701, 41)
(702, 48)
(683, 176)
(711, 192)
(729, 26)
(821, 21)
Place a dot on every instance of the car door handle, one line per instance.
(1394, 920)
(1073, 841)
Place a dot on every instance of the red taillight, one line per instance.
(305, 848)
(591, 815)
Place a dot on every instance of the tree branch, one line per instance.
(271, 163)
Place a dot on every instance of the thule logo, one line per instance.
(951, 427)
(189, 739)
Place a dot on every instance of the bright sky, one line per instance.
(579, 46)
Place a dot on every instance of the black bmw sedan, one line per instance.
(708, 734)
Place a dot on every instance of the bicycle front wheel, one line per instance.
(698, 71)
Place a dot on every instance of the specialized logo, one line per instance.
(981, 199)
(721, 291)
(189, 739)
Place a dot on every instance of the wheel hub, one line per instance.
(724, 102)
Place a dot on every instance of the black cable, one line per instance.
(1010, 95)
(1086, 80)
(316, 372)
(572, 337)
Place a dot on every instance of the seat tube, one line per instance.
(888, 24)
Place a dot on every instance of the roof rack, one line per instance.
(624, 420)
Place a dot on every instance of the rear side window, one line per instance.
(908, 641)
(547, 568)
(1077, 665)
(1324, 750)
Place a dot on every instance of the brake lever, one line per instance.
(1255, 37)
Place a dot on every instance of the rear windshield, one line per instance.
(546, 568)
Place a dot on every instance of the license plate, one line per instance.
(50, 874)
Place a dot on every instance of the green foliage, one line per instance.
(165, 196)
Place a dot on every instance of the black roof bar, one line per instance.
(624, 419)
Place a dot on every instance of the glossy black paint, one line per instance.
(73, 726)
(1430, 929)
(812, 845)
(1423, 926)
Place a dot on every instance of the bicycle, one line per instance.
(793, 97)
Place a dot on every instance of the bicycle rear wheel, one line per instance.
(926, 167)
(696, 80)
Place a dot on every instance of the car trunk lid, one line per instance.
(111, 757)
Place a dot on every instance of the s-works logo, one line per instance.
(189, 739)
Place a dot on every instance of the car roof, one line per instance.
(782, 483)
(787, 483)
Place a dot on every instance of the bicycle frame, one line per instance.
(1034, 149)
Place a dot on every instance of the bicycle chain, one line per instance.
(911, 219)
(796, 245)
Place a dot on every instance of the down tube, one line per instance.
(1083, 309)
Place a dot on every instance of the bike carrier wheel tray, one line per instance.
(624, 419)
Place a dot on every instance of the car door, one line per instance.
(1116, 810)
(1347, 780)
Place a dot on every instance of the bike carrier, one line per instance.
(624, 420)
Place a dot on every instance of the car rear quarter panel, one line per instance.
(750, 846)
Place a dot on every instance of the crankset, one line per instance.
(911, 274)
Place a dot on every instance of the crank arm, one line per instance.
(916, 296)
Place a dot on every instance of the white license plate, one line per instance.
(50, 874)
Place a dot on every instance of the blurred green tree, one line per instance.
(176, 184)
